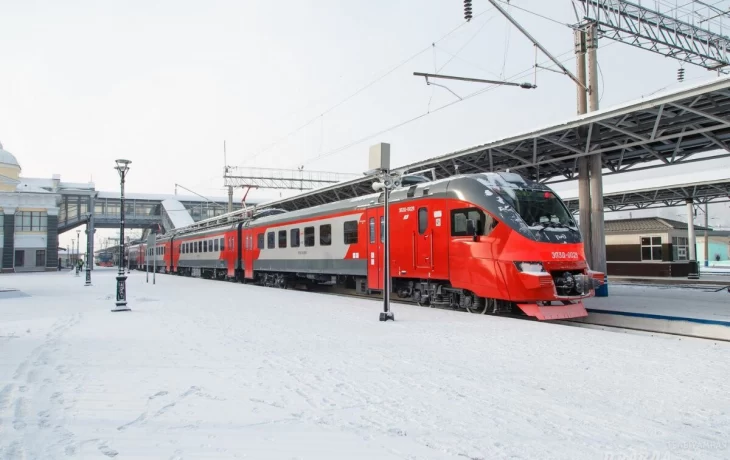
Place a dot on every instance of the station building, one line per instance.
(28, 221)
(655, 246)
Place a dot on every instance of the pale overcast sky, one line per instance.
(163, 83)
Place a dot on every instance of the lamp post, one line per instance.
(89, 258)
(71, 254)
(380, 167)
(78, 252)
(122, 168)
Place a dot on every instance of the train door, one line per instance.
(376, 226)
(424, 239)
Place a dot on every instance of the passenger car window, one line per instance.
(325, 235)
(282, 238)
(270, 240)
(350, 232)
(294, 237)
(260, 241)
(372, 230)
(308, 236)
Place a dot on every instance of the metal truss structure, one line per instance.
(665, 130)
(647, 29)
(664, 197)
(290, 179)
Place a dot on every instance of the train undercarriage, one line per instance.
(425, 293)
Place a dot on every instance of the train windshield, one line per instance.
(541, 208)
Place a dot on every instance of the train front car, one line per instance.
(535, 245)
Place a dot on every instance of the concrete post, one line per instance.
(707, 238)
(598, 237)
(584, 189)
(693, 267)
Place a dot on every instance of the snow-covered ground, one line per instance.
(667, 300)
(203, 369)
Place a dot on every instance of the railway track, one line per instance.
(352, 293)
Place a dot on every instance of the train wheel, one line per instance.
(475, 304)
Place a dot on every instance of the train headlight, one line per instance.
(530, 267)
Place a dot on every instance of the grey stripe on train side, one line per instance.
(325, 266)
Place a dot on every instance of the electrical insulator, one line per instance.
(467, 10)
(680, 74)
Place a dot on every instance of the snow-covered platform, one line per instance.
(700, 311)
(206, 369)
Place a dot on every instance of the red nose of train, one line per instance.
(553, 289)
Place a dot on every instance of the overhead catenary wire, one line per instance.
(358, 91)
(515, 77)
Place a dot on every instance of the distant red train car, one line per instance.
(486, 243)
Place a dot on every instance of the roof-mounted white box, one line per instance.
(380, 156)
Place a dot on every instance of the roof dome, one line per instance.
(7, 158)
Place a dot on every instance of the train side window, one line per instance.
(484, 222)
(205, 246)
(223, 244)
(200, 246)
(294, 237)
(216, 248)
(282, 238)
(422, 220)
(270, 240)
(325, 235)
(260, 241)
(372, 230)
(308, 236)
(382, 229)
(350, 231)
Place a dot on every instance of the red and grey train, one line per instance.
(486, 243)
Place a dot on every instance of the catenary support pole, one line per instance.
(693, 266)
(707, 238)
(230, 198)
(598, 236)
(386, 247)
(584, 186)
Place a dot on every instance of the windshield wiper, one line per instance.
(560, 224)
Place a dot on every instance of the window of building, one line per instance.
(308, 236)
(350, 231)
(31, 221)
(484, 222)
(282, 238)
(40, 258)
(325, 235)
(422, 220)
(651, 248)
(372, 230)
(294, 237)
(680, 248)
(260, 241)
(270, 240)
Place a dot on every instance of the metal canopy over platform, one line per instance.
(663, 197)
(663, 130)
